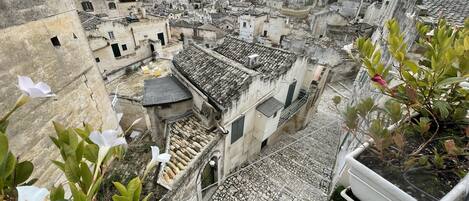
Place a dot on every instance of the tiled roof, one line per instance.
(455, 11)
(188, 139)
(164, 90)
(184, 23)
(220, 78)
(273, 62)
(89, 21)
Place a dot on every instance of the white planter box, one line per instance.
(369, 186)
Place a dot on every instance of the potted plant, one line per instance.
(415, 139)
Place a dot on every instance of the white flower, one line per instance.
(464, 85)
(106, 141)
(31, 193)
(40, 89)
(157, 157)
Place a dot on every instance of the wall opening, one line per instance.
(87, 6)
(116, 50)
(55, 41)
(112, 6)
(124, 47)
(161, 38)
(111, 35)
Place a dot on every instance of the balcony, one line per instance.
(291, 110)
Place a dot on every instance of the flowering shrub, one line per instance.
(424, 121)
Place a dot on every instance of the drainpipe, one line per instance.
(133, 37)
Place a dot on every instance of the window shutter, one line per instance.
(237, 129)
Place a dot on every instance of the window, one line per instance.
(97, 59)
(55, 41)
(237, 129)
(265, 33)
(111, 35)
(244, 24)
(112, 6)
(75, 36)
(124, 47)
(207, 45)
(87, 6)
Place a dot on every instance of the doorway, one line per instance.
(161, 38)
(116, 50)
(209, 178)
(264, 143)
(291, 91)
(152, 48)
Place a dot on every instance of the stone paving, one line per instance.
(298, 167)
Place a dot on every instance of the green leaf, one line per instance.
(451, 80)
(57, 194)
(121, 188)
(79, 151)
(443, 108)
(86, 176)
(59, 164)
(393, 109)
(3, 146)
(91, 152)
(72, 171)
(59, 128)
(134, 187)
(412, 66)
(120, 198)
(23, 172)
(4, 126)
(77, 194)
(95, 187)
(9, 165)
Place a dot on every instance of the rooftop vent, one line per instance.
(253, 61)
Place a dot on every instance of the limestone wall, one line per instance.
(70, 70)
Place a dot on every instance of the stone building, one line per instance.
(120, 42)
(205, 34)
(251, 25)
(275, 28)
(222, 106)
(45, 41)
(109, 8)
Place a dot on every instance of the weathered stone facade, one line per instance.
(69, 69)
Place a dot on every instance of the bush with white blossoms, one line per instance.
(86, 154)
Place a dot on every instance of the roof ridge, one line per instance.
(227, 60)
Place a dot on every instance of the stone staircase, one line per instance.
(297, 167)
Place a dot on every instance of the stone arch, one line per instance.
(209, 176)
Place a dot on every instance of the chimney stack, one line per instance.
(252, 61)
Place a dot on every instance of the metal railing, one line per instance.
(291, 110)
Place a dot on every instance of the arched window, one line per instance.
(112, 6)
(87, 6)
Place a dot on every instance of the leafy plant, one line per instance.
(13, 172)
(131, 192)
(424, 99)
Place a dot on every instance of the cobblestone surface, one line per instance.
(298, 167)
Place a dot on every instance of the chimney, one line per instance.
(252, 61)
